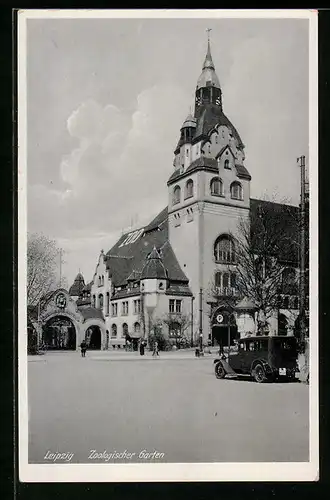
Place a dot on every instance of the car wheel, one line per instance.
(219, 371)
(258, 373)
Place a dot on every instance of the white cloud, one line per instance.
(118, 171)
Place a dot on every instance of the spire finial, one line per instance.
(208, 63)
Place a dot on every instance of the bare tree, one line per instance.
(180, 323)
(265, 244)
(42, 255)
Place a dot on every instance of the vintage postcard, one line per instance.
(168, 294)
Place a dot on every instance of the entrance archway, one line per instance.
(93, 337)
(224, 328)
(59, 333)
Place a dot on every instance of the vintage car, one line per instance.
(264, 358)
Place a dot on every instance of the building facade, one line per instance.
(163, 277)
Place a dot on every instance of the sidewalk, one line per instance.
(117, 355)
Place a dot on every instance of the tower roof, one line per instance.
(78, 285)
(190, 121)
(154, 267)
(208, 77)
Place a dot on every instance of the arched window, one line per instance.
(282, 324)
(226, 164)
(216, 187)
(125, 329)
(236, 191)
(189, 189)
(136, 327)
(176, 195)
(224, 249)
(113, 331)
(94, 301)
(101, 300)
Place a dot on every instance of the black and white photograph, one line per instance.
(167, 201)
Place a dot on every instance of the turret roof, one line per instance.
(154, 267)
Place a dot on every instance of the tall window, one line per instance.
(114, 309)
(176, 195)
(125, 329)
(137, 306)
(224, 249)
(124, 308)
(94, 301)
(236, 191)
(101, 300)
(189, 189)
(107, 303)
(136, 327)
(225, 283)
(172, 306)
(226, 164)
(178, 306)
(216, 187)
(113, 331)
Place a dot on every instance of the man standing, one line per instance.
(83, 347)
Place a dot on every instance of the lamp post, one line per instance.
(192, 321)
(201, 319)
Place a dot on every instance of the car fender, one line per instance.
(262, 362)
(216, 361)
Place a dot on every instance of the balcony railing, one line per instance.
(226, 291)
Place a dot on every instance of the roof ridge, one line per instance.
(121, 256)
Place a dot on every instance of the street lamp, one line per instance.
(192, 321)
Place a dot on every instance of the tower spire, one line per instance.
(208, 63)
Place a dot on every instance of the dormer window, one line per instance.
(226, 164)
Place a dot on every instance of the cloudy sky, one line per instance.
(106, 99)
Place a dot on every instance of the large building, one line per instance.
(162, 277)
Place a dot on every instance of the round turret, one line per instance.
(190, 121)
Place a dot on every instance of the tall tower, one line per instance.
(209, 192)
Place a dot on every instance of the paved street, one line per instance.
(116, 402)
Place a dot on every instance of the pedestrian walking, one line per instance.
(155, 351)
(83, 347)
(142, 348)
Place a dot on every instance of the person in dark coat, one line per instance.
(83, 347)
(142, 348)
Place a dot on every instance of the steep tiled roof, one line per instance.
(283, 220)
(242, 172)
(177, 289)
(154, 267)
(83, 301)
(122, 260)
(212, 116)
(201, 163)
(91, 312)
(157, 221)
(78, 285)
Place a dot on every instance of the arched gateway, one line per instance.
(59, 333)
(63, 326)
(224, 328)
